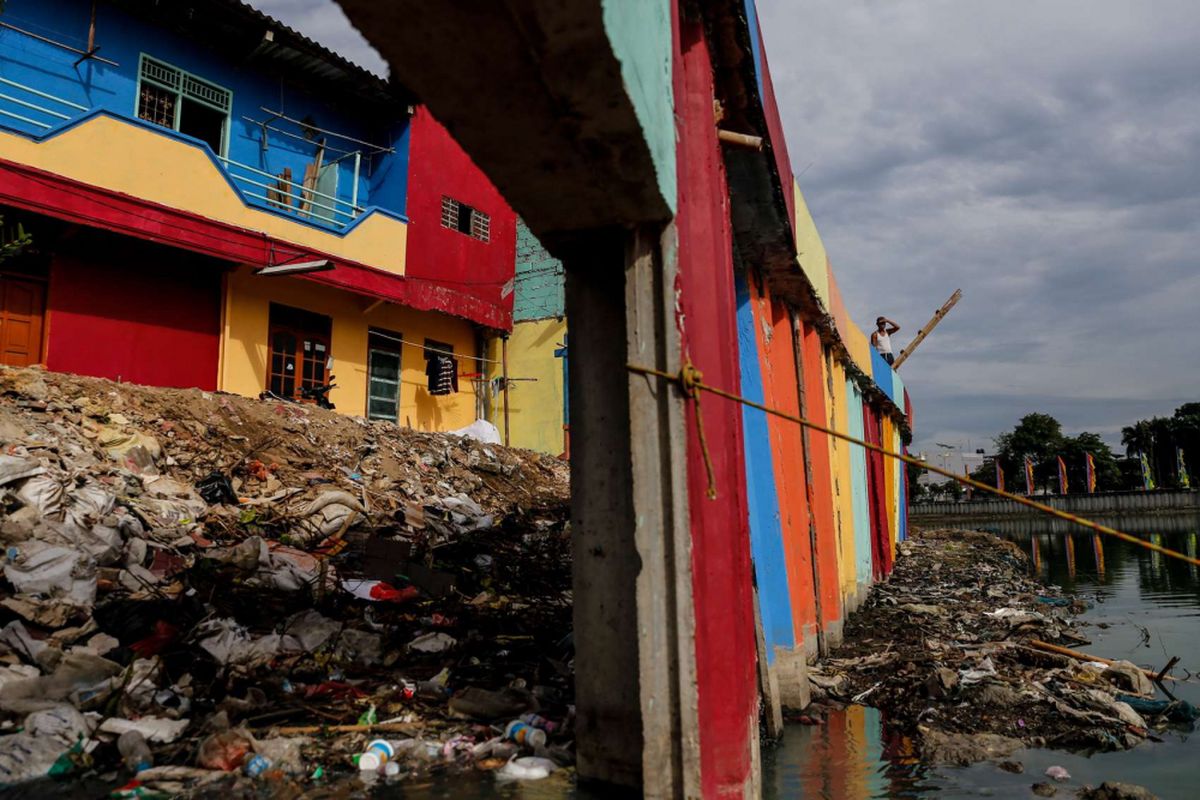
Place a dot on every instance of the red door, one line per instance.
(22, 309)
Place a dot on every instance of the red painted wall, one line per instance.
(440, 256)
(44, 192)
(721, 572)
(141, 313)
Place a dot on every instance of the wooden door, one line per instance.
(22, 311)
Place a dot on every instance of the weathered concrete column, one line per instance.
(634, 666)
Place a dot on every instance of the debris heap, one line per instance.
(200, 587)
(955, 648)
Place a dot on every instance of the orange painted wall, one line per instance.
(822, 478)
(776, 348)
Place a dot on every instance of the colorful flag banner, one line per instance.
(1028, 476)
(1147, 477)
(1185, 480)
(999, 475)
(1090, 462)
(1062, 476)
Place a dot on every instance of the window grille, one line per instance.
(462, 218)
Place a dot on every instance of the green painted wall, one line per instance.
(538, 286)
(640, 32)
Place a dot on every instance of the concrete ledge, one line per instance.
(790, 672)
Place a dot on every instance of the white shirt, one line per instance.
(883, 342)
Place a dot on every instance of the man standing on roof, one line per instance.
(881, 339)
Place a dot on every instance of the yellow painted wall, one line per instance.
(244, 346)
(858, 345)
(535, 407)
(843, 491)
(810, 249)
(182, 176)
(888, 439)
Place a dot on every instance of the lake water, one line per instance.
(1147, 609)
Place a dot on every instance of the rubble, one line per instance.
(964, 649)
(257, 590)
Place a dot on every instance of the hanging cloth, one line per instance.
(442, 375)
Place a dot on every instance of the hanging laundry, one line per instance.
(442, 374)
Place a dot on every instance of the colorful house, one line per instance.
(535, 414)
(217, 201)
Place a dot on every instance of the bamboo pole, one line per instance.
(1038, 644)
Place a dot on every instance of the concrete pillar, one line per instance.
(635, 684)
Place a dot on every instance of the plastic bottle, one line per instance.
(538, 721)
(524, 733)
(375, 756)
(256, 765)
(134, 751)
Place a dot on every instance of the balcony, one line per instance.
(40, 116)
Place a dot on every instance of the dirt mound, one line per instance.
(228, 577)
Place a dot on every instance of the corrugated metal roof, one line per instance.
(239, 26)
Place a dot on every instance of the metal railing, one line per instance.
(35, 111)
(306, 203)
(25, 99)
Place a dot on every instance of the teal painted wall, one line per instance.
(858, 483)
(640, 33)
(538, 286)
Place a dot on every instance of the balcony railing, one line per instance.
(32, 111)
(291, 197)
(36, 108)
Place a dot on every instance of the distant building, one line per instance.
(162, 154)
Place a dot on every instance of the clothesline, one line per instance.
(450, 353)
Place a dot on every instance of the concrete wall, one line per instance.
(1165, 500)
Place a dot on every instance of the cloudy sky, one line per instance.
(1044, 157)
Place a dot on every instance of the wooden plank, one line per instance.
(929, 326)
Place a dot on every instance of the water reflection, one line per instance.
(853, 756)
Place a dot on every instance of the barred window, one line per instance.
(175, 99)
(462, 218)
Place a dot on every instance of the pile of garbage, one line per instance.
(962, 649)
(204, 590)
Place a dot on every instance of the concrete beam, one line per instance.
(534, 91)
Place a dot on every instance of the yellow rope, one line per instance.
(690, 380)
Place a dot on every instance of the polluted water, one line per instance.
(1141, 606)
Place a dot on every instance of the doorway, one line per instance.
(22, 316)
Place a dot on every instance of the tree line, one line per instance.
(1039, 437)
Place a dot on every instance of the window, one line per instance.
(462, 218)
(299, 345)
(175, 99)
(383, 375)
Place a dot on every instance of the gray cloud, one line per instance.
(1043, 157)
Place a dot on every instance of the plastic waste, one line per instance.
(256, 765)
(481, 431)
(134, 751)
(538, 721)
(1058, 773)
(224, 751)
(528, 768)
(154, 729)
(434, 642)
(378, 753)
(525, 734)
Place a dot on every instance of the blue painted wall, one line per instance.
(766, 533)
(883, 375)
(540, 282)
(123, 38)
(858, 483)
